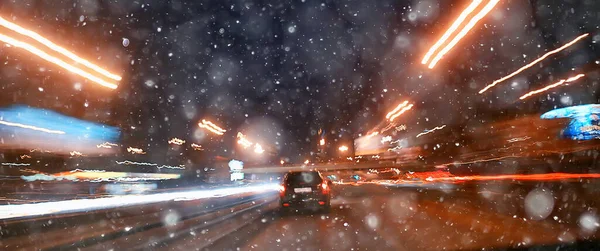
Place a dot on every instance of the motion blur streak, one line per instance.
(430, 131)
(31, 127)
(243, 141)
(56, 61)
(486, 9)
(400, 106)
(76, 153)
(559, 83)
(533, 63)
(176, 141)
(461, 18)
(401, 112)
(134, 150)
(527, 177)
(84, 205)
(56, 48)
(15, 164)
(211, 127)
(106, 145)
(196, 147)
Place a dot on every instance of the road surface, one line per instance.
(468, 216)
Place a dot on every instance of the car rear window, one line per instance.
(303, 178)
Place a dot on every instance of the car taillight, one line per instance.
(325, 187)
(281, 190)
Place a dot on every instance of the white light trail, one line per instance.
(393, 117)
(211, 127)
(430, 131)
(106, 145)
(176, 141)
(87, 205)
(134, 150)
(35, 128)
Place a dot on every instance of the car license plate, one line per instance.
(303, 190)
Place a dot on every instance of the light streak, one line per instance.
(322, 142)
(386, 139)
(400, 106)
(513, 140)
(370, 135)
(486, 9)
(430, 131)
(526, 177)
(343, 148)
(106, 145)
(15, 164)
(176, 141)
(258, 149)
(461, 18)
(35, 128)
(559, 83)
(75, 153)
(134, 150)
(86, 205)
(127, 162)
(54, 47)
(25, 156)
(393, 117)
(242, 140)
(401, 128)
(211, 127)
(197, 147)
(56, 61)
(533, 63)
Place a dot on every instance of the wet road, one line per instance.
(495, 214)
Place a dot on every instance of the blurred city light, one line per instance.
(196, 147)
(343, 148)
(258, 149)
(559, 83)
(533, 63)
(322, 142)
(106, 145)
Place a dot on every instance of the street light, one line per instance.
(322, 142)
(343, 148)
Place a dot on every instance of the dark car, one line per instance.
(305, 190)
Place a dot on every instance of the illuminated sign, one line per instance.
(584, 124)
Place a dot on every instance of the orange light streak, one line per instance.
(211, 127)
(31, 127)
(197, 147)
(559, 83)
(401, 112)
(243, 140)
(54, 60)
(461, 18)
(54, 47)
(486, 9)
(400, 106)
(533, 63)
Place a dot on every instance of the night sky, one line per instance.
(282, 70)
